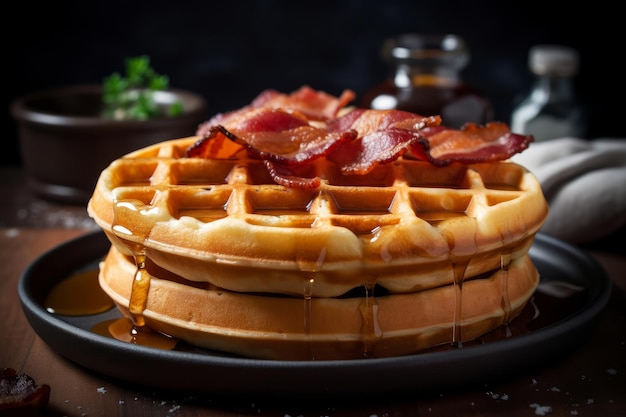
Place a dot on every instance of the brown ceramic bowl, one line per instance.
(65, 144)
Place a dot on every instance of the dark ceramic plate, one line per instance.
(214, 373)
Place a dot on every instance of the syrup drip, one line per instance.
(310, 269)
(370, 330)
(458, 269)
(139, 292)
(78, 295)
(125, 214)
(505, 261)
(308, 291)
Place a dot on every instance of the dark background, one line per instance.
(229, 51)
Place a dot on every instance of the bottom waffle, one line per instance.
(369, 324)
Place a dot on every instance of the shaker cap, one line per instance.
(556, 60)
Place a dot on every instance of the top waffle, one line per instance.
(399, 226)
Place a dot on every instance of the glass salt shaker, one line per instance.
(551, 109)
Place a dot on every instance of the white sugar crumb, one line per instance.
(13, 232)
(497, 396)
(101, 390)
(590, 401)
(174, 409)
(541, 410)
(555, 389)
(121, 402)
(48, 214)
(611, 371)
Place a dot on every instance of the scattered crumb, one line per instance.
(493, 395)
(101, 390)
(12, 232)
(541, 410)
(611, 371)
(497, 396)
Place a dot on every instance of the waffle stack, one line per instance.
(389, 263)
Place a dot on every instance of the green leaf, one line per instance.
(131, 97)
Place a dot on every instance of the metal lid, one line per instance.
(555, 60)
(427, 49)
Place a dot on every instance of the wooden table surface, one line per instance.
(589, 381)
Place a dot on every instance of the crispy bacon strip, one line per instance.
(274, 135)
(287, 176)
(383, 136)
(316, 105)
(289, 131)
(312, 104)
(493, 142)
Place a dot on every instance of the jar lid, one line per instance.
(556, 60)
(427, 49)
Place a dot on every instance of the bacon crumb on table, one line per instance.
(20, 394)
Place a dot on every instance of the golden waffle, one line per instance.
(406, 226)
(299, 328)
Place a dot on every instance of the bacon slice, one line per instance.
(274, 135)
(312, 104)
(288, 132)
(288, 176)
(473, 143)
(383, 136)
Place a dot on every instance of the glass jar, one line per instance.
(427, 80)
(551, 109)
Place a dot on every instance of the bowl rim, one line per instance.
(194, 106)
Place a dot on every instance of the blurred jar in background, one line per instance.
(551, 109)
(427, 80)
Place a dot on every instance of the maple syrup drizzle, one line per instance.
(505, 261)
(459, 267)
(308, 291)
(139, 291)
(78, 295)
(310, 270)
(126, 215)
(371, 332)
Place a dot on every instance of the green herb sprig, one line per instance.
(132, 97)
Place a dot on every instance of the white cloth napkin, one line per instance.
(584, 182)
